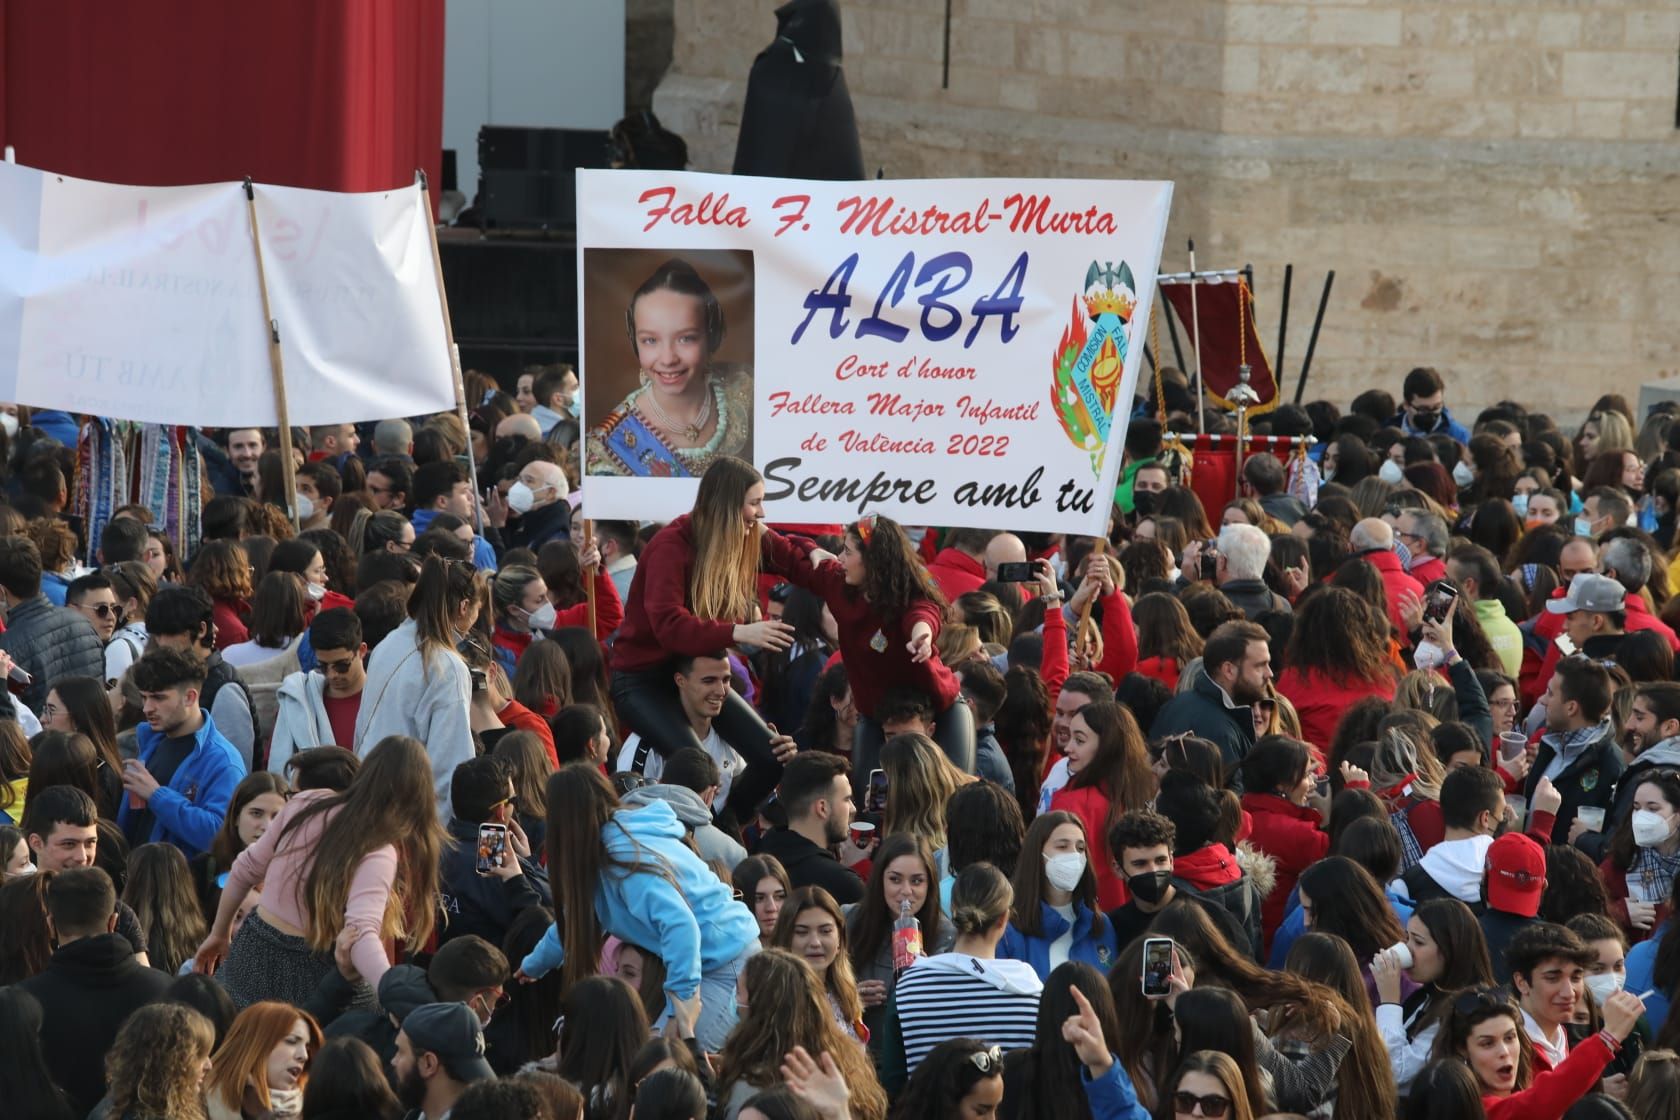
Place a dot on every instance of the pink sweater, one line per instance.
(282, 876)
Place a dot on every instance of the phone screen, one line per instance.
(1441, 601)
(876, 801)
(492, 842)
(1157, 966)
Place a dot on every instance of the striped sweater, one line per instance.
(954, 995)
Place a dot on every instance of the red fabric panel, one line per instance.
(1213, 476)
(340, 95)
(1217, 306)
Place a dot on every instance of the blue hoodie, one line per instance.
(1097, 949)
(690, 921)
(189, 810)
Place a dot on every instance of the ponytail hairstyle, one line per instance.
(979, 899)
(893, 574)
(436, 602)
(724, 584)
(508, 586)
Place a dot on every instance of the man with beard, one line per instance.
(1651, 734)
(1236, 664)
(817, 796)
(440, 1051)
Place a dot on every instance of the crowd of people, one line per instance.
(1357, 796)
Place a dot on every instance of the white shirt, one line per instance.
(1555, 1050)
(1054, 781)
(1060, 947)
(729, 761)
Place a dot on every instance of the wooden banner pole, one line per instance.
(454, 354)
(277, 367)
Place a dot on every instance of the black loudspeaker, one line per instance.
(525, 175)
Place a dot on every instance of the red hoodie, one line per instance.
(1395, 584)
(1320, 701)
(1091, 806)
(1209, 867)
(956, 573)
(1291, 835)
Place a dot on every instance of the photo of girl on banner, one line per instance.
(684, 394)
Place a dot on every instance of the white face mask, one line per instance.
(305, 507)
(542, 618)
(1064, 870)
(1519, 502)
(1390, 472)
(9, 421)
(317, 591)
(1605, 985)
(1650, 829)
(1583, 527)
(1462, 474)
(520, 498)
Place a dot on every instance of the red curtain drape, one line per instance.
(332, 94)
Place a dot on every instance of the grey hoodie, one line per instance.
(715, 844)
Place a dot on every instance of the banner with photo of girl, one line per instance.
(949, 352)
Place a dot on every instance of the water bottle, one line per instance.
(907, 939)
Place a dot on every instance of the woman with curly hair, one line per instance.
(888, 613)
(156, 1068)
(782, 1005)
(223, 570)
(831, 719)
(1338, 654)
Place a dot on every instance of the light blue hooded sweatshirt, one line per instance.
(690, 920)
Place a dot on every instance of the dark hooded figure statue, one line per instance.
(798, 121)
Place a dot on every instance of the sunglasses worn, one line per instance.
(1212, 1105)
(105, 610)
(338, 668)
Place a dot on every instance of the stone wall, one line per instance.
(1495, 182)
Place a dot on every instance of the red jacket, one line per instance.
(609, 608)
(1554, 1090)
(870, 671)
(956, 572)
(1163, 669)
(1291, 835)
(1395, 584)
(229, 615)
(658, 624)
(1428, 569)
(1209, 867)
(520, 718)
(1320, 701)
(1091, 806)
(1119, 638)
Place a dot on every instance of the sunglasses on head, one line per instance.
(1212, 1105)
(1474, 1000)
(988, 1062)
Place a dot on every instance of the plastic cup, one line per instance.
(1511, 744)
(1591, 816)
(863, 834)
(1402, 953)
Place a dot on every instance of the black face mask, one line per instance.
(1425, 419)
(1145, 502)
(1150, 886)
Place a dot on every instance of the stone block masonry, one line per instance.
(1496, 182)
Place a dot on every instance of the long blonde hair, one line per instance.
(390, 802)
(786, 1007)
(152, 1068)
(920, 782)
(723, 584)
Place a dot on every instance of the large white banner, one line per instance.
(947, 352)
(142, 303)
